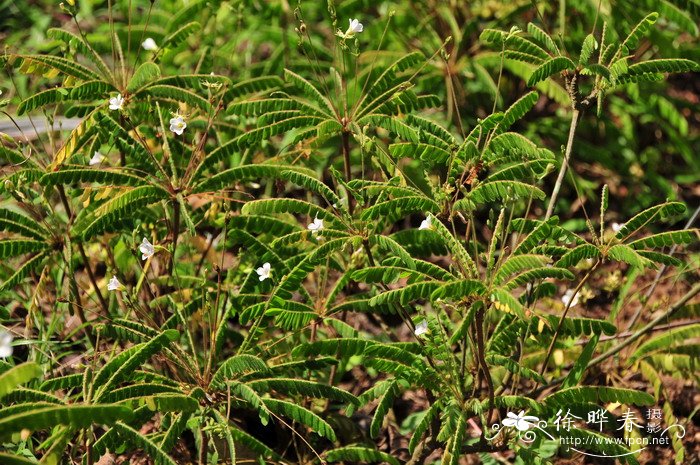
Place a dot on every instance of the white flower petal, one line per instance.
(5, 351)
(178, 125)
(96, 159)
(114, 284)
(147, 249)
(569, 299)
(5, 344)
(264, 271)
(149, 44)
(355, 27)
(116, 103)
(316, 226)
(421, 328)
(427, 223)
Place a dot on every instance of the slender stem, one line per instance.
(176, 233)
(564, 164)
(203, 448)
(563, 316)
(91, 275)
(77, 305)
(650, 326)
(480, 350)
(88, 447)
(346, 154)
(562, 18)
(660, 274)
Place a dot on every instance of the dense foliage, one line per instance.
(317, 232)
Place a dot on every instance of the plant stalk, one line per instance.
(660, 274)
(563, 317)
(346, 154)
(649, 326)
(176, 233)
(91, 275)
(564, 164)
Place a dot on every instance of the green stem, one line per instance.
(176, 233)
(91, 275)
(563, 316)
(346, 154)
(564, 164)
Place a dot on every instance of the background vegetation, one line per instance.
(257, 232)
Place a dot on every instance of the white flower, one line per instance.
(421, 328)
(521, 421)
(343, 202)
(617, 226)
(427, 223)
(114, 284)
(5, 344)
(264, 271)
(569, 299)
(177, 124)
(316, 226)
(149, 44)
(146, 249)
(116, 103)
(96, 159)
(355, 28)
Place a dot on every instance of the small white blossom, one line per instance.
(427, 223)
(264, 271)
(146, 249)
(316, 226)
(116, 103)
(355, 28)
(520, 421)
(617, 226)
(149, 44)
(343, 202)
(569, 299)
(114, 284)
(177, 125)
(96, 159)
(421, 328)
(5, 344)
